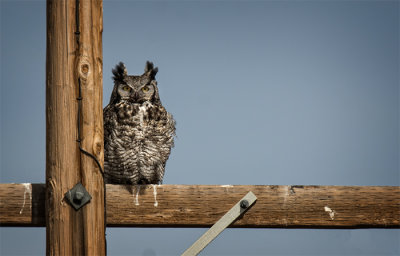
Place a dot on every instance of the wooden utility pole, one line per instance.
(74, 52)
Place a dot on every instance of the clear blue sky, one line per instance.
(264, 92)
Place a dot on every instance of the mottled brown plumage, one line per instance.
(138, 131)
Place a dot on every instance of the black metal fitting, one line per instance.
(78, 196)
(244, 204)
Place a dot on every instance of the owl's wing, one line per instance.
(108, 118)
(171, 123)
(168, 130)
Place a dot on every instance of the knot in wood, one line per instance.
(98, 145)
(85, 69)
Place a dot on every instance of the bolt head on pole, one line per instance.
(77, 196)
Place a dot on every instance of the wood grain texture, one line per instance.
(203, 205)
(71, 232)
(22, 205)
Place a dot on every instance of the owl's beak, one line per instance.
(135, 96)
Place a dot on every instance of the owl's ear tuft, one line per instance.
(150, 69)
(120, 72)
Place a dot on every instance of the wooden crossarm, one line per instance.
(203, 205)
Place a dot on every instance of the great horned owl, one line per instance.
(138, 131)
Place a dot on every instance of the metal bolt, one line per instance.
(78, 196)
(244, 204)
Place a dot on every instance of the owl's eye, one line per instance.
(126, 88)
(145, 89)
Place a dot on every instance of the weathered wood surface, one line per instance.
(71, 232)
(22, 205)
(203, 205)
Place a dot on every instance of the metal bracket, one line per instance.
(238, 209)
(78, 196)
